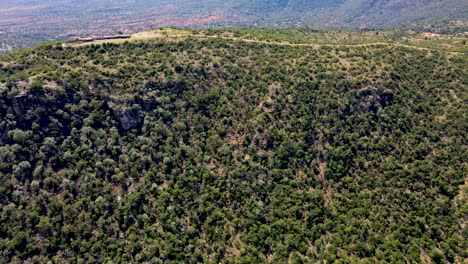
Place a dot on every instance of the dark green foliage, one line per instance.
(227, 151)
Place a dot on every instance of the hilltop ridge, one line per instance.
(295, 37)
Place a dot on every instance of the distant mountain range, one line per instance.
(346, 13)
(24, 23)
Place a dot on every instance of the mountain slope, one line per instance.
(393, 13)
(221, 147)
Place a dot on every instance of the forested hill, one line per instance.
(240, 146)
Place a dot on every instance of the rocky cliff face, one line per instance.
(129, 118)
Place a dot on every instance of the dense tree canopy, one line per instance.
(217, 150)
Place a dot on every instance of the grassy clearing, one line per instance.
(163, 33)
(297, 37)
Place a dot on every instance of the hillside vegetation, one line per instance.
(238, 146)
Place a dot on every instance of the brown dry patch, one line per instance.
(455, 96)
(118, 191)
(322, 168)
(273, 87)
(211, 166)
(266, 104)
(328, 195)
(301, 176)
(327, 190)
(311, 248)
(131, 188)
(220, 171)
(163, 186)
(462, 196)
(462, 23)
(344, 62)
(166, 34)
(441, 118)
(430, 35)
(236, 245)
(22, 84)
(234, 139)
(50, 85)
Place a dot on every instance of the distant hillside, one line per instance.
(351, 13)
(24, 23)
